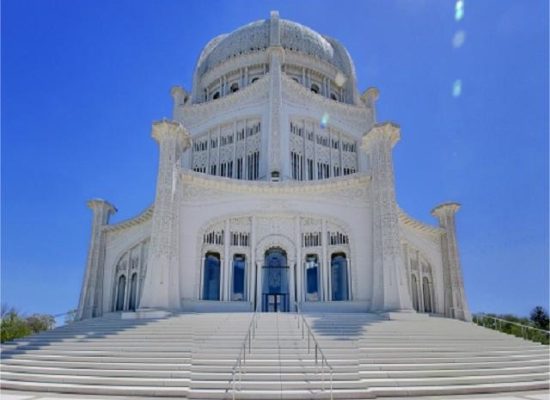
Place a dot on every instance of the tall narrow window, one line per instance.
(211, 285)
(414, 292)
(339, 277)
(121, 292)
(428, 306)
(239, 172)
(239, 266)
(133, 292)
(312, 278)
(253, 165)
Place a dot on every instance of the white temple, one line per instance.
(275, 186)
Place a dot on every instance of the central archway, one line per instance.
(275, 288)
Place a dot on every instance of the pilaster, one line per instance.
(162, 274)
(276, 59)
(390, 290)
(455, 302)
(91, 295)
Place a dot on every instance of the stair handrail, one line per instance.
(499, 321)
(318, 351)
(241, 358)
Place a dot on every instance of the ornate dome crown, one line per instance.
(259, 35)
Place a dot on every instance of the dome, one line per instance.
(256, 36)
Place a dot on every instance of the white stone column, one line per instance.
(201, 279)
(91, 295)
(389, 281)
(408, 266)
(276, 59)
(251, 264)
(455, 302)
(162, 273)
(299, 257)
(291, 283)
(325, 273)
(421, 306)
(259, 286)
(228, 263)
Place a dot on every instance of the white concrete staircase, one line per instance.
(434, 356)
(192, 355)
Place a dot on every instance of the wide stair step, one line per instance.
(194, 355)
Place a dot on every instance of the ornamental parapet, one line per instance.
(334, 184)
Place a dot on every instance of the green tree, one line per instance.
(12, 325)
(539, 317)
(40, 322)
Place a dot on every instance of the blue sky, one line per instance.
(82, 82)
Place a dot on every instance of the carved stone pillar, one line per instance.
(276, 59)
(455, 302)
(259, 274)
(161, 282)
(91, 295)
(389, 281)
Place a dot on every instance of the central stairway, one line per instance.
(193, 355)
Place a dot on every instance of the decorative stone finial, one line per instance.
(165, 129)
(445, 209)
(96, 204)
(370, 96)
(179, 95)
(385, 130)
(102, 211)
(274, 29)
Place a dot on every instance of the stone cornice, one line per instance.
(407, 220)
(144, 216)
(273, 188)
(249, 95)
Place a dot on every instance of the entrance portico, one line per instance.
(275, 274)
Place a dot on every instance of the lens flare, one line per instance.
(459, 10)
(457, 88)
(458, 39)
(324, 120)
(340, 79)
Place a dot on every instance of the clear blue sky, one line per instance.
(82, 82)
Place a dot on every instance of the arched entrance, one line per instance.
(275, 279)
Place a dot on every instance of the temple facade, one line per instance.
(275, 187)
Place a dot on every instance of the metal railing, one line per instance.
(480, 319)
(306, 329)
(240, 362)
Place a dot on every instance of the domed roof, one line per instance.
(256, 36)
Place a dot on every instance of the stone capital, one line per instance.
(166, 129)
(445, 209)
(101, 205)
(381, 132)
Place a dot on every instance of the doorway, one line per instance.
(275, 286)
